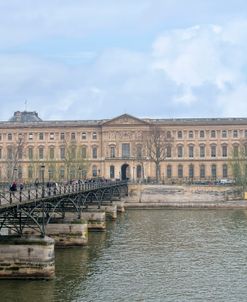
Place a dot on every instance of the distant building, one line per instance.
(115, 148)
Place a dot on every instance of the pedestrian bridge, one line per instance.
(36, 207)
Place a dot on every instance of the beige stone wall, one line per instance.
(103, 135)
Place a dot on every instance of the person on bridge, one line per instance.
(13, 187)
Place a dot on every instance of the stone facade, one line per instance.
(68, 150)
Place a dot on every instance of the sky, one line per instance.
(98, 59)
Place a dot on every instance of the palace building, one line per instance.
(115, 148)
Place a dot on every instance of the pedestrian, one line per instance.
(21, 186)
(36, 183)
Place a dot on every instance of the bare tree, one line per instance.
(74, 161)
(238, 164)
(14, 158)
(158, 144)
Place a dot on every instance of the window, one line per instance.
(180, 134)
(169, 171)
(62, 136)
(112, 172)
(52, 136)
(180, 151)
(1, 153)
(213, 133)
(213, 151)
(169, 151)
(19, 152)
(9, 136)
(41, 136)
(191, 151)
(112, 152)
(235, 133)
(10, 152)
(73, 152)
(94, 135)
(213, 171)
(30, 172)
(245, 133)
(224, 170)
(51, 172)
(191, 134)
(0, 136)
(235, 150)
(84, 152)
(94, 171)
(62, 152)
(94, 152)
(191, 171)
(52, 153)
(84, 135)
(224, 151)
(202, 171)
(30, 153)
(125, 150)
(168, 134)
(30, 136)
(138, 171)
(202, 133)
(180, 171)
(245, 150)
(202, 151)
(61, 173)
(72, 136)
(224, 133)
(41, 152)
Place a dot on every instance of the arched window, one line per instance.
(191, 171)
(191, 151)
(224, 151)
(30, 172)
(139, 171)
(169, 171)
(61, 173)
(180, 171)
(224, 170)
(94, 171)
(213, 150)
(180, 151)
(112, 172)
(202, 150)
(213, 171)
(202, 171)
(168, 151)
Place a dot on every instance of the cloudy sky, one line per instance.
(96, 59)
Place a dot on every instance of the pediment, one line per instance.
(125, 119)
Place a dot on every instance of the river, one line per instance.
(150, 255)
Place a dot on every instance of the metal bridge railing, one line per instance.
(29, 194)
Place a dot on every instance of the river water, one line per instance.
(150, 255)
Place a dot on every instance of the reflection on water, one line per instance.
(150, 255)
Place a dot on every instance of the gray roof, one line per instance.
(25, 117)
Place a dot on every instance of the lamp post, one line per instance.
(42, 168)
(15, 174)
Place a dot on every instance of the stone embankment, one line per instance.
(164, 196)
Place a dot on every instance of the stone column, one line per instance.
(26, 257)
(68, 232)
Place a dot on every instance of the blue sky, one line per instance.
(97, 59)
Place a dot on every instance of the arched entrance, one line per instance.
(125, 174)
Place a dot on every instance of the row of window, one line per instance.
(41, 136)
(213, 134)
(75, 152)
(86, 135)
